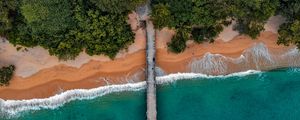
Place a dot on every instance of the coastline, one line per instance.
(233, 49)
(10, 108)
(128, 69)
(231, 55)
(49, 81)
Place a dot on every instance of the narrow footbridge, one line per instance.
(150, 72)
(143, 12)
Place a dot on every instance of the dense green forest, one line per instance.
(67, 27)
(203, 20)
(6, 74)
(289, 32)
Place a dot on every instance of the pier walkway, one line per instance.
(150, 71)
(143, 13)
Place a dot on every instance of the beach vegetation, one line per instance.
(206, 18)
(118, 6)
(162, 17)
(289, 32)
(178, 43)
(6, 74)
(251, 15)
(67, 27)
(7, 11)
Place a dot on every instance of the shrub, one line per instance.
(6, 74)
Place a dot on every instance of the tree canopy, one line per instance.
(196, 17)
(118, 6)
(47, 16)
(7, 10)
(6, 74)
(68, 27)
(206, 18)
(251, 15)
(289, 32)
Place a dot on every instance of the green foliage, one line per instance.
(251, 28)
(178, 43)
(114, 34)
(207, 13)
(177, 11)
(161, 16)
(7, 9)
(289, 9)
(118, 6)
(34, 12)
(207, 33)
(251, 15)
(289, 32)
(6, 74)
(47, 16)
(68, 27)
(206, 17)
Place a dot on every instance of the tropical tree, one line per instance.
(289, 32)
(6, 74)
(118, 6)
(7, 11)
(47, 16)
(251, 15)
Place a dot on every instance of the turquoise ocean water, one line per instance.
(272, 95)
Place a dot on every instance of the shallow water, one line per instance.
(272, 95)
(116, 106)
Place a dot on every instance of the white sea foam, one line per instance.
(259, 55)
(293, 55)
(219, 64)
(13, 107)
(210, 63)
(159, 71)
(179, 76)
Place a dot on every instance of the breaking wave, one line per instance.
(251, 62)
(11, 108)
(257, 57)
(181, 76)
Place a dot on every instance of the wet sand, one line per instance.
(129, 65)
(233, 48)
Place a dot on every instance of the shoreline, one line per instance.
(13, 107)
(129, 69)
(230, 53)
(62, 77)
(232, 49)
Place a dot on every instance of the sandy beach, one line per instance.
(54, 76)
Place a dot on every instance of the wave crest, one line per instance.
(181, 76)
(252, 58)
(257, 57)
(11, 108)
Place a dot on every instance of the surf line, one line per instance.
(13, 107)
